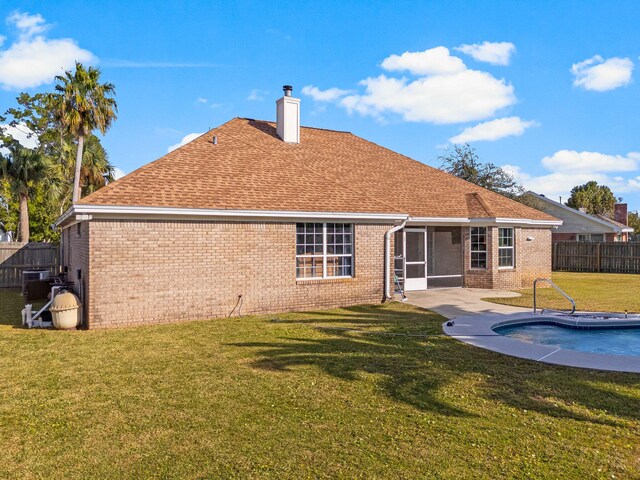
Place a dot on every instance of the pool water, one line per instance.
(612, 341)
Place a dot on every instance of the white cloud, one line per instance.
(573, 161)
(186, 139)
(446, 91)
(601, 75)
(201, 100)
(33, 59)
(495, 53)
(328, 95)
(256, 95)
(434, 61)
(27, 24)
(118, 173)
(20, 132)
(493, 130)
(462, 97)
(569, 168)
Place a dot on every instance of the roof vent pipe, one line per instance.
(215, 139)
(288, 89)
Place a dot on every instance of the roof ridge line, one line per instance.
(301, 126)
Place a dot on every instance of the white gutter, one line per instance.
(387, 258)
(110, 211)
(482, 221)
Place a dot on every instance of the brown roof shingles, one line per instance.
(328, 171)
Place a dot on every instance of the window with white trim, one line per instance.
(506, 241)
(593, 237)
(478, 247)
(324, 250)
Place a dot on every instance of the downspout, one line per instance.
(387, 258)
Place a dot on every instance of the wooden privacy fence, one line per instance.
(610, 257)
(18, 257)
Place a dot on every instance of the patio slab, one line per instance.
(460, 302)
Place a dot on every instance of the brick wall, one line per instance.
(563, 237)
(532, 260)
(164, 271)
(75, 241)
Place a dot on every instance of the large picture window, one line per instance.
(324, 250)
(478, 247)
(505, 248)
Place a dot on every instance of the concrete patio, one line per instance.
(460, 302)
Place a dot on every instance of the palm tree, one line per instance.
(23, 168)
(84, 105)
(96, 170)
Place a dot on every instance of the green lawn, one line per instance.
(361, 392)
(596, 292)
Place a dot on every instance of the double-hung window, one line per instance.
(478, 247)
(324, 250)
(506, 242)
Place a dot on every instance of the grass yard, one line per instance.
(596, 292)
(361, 392)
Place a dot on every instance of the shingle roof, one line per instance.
(620, 226)
(328, 171)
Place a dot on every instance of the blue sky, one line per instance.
(553, 95)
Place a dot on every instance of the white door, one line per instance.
(416, 259)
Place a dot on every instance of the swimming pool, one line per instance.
(600, 341)
(612, 341)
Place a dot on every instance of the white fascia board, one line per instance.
(529, 221)
(128, 212)
(63, 218)
(452, 221)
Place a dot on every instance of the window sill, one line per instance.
(506, 269)
(315, 281)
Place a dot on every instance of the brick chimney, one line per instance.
(620, 213)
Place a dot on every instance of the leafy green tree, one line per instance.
(42, 215)
(82, 105)
(95, 172)
(9, 206)
(634, 222)
(23, 168)
(596, 199)
(36, 114)
(463, 162)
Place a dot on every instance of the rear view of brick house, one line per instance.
(272, 217)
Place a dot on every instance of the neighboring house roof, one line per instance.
(604, 223)
(621, 226)
(251, 168)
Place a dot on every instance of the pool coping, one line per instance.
(477, 330)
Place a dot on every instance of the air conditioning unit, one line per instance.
(33, 275)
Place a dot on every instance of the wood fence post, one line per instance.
(598, 257)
